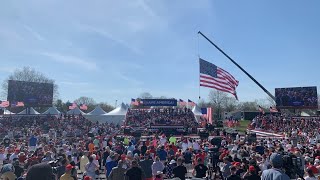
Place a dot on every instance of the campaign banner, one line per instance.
(159, 102)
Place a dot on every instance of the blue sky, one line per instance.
(112, 50)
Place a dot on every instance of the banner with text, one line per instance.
(159, 102)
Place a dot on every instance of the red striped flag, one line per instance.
(261, 110)
(84, 107)
(4, 104)
(182, 103)
(20, 104)
(207, 114)
(134, 102)
(214, 77)
(191, 103)
(73, 106)
(273, 109)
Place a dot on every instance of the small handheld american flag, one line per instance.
(4, 104)
(84, 107)
(73, 106)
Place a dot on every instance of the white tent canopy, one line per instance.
(116, 116)
(32, 111)
(197, 110)
(7, 112)
(304, 114)
(97, 111)
(52, 111)
(75, 111)
(121, 110)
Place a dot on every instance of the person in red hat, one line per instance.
(14, 155)
(251, 174)
(87, 178)
(67, 174)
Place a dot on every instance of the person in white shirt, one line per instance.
(3, 155)
(105, 143)
(184, 146)
(95, 160)
(163, 140)
(196, 146)
(14, 155)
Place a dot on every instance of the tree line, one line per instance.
(218, 100)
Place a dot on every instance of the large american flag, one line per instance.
(214, 77)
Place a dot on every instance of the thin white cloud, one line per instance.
(34, 33)
(110, 36)
(129, 79)
(146, 8)
(71, 60)
(71, 83)
(7, 69)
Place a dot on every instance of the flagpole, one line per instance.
(235, 63)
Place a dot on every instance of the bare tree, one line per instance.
(216, 99)
(30, 75)
(85, 100)
(270, 102)
(106, 107)
(248, 106)
(202, 103)
(230, 104)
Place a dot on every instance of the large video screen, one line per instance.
(297, 97)
(31, 93)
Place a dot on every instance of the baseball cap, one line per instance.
(237, 164)
(172, 161)
(69, 167)
(252, 169)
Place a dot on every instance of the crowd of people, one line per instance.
(50, 147)
(305, 129)
(303, 96)
(157, 116)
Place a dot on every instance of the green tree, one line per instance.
(61, 106)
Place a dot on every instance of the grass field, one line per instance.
(243, 126)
